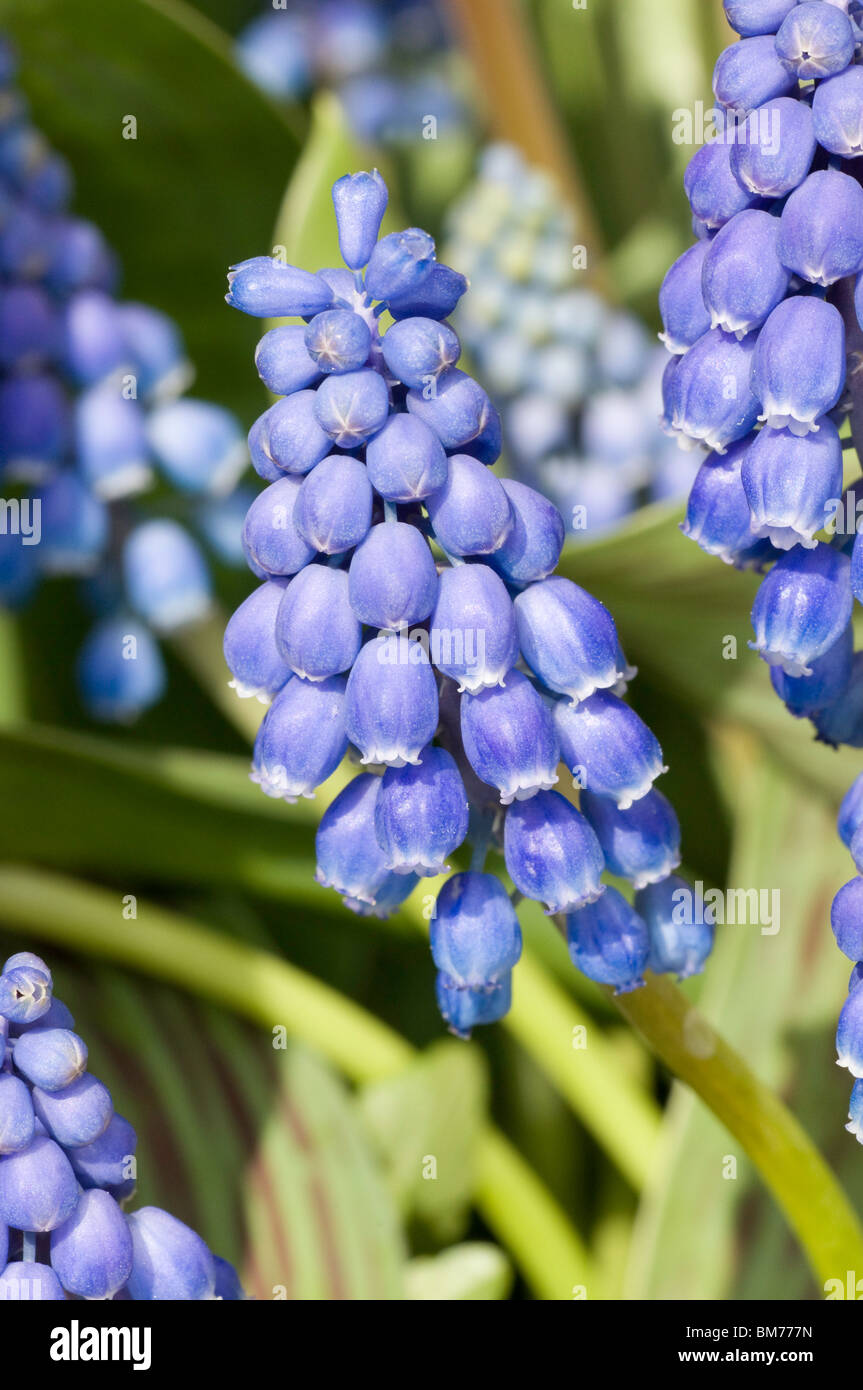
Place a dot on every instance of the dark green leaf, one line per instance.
(199, 187)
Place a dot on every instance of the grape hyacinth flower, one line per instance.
(577, 383)
(788, 271)
(67, 1170)
(409, 616)
(389, 62)
(91, 416)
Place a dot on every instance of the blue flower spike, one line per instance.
(781, 253)
(410, 615)
(93, 414)
(67, 1169)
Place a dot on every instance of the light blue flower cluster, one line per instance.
(67, 1169)
(578, 383)
(90, 412)
(389, 61)
(408, 611)
(763, 316)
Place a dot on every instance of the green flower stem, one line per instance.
(791, 1167)
(270, 992)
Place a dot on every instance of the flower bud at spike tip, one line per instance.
(360, 201)
(25, 993)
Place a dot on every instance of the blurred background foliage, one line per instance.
(304, 1163)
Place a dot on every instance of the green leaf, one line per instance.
(426, 1123)
(674, 606)
(259, 1149)
(196, 191)
(474, 1270)
(166, 814)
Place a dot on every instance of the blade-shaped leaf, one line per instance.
(174, 815)
(425, 1124)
